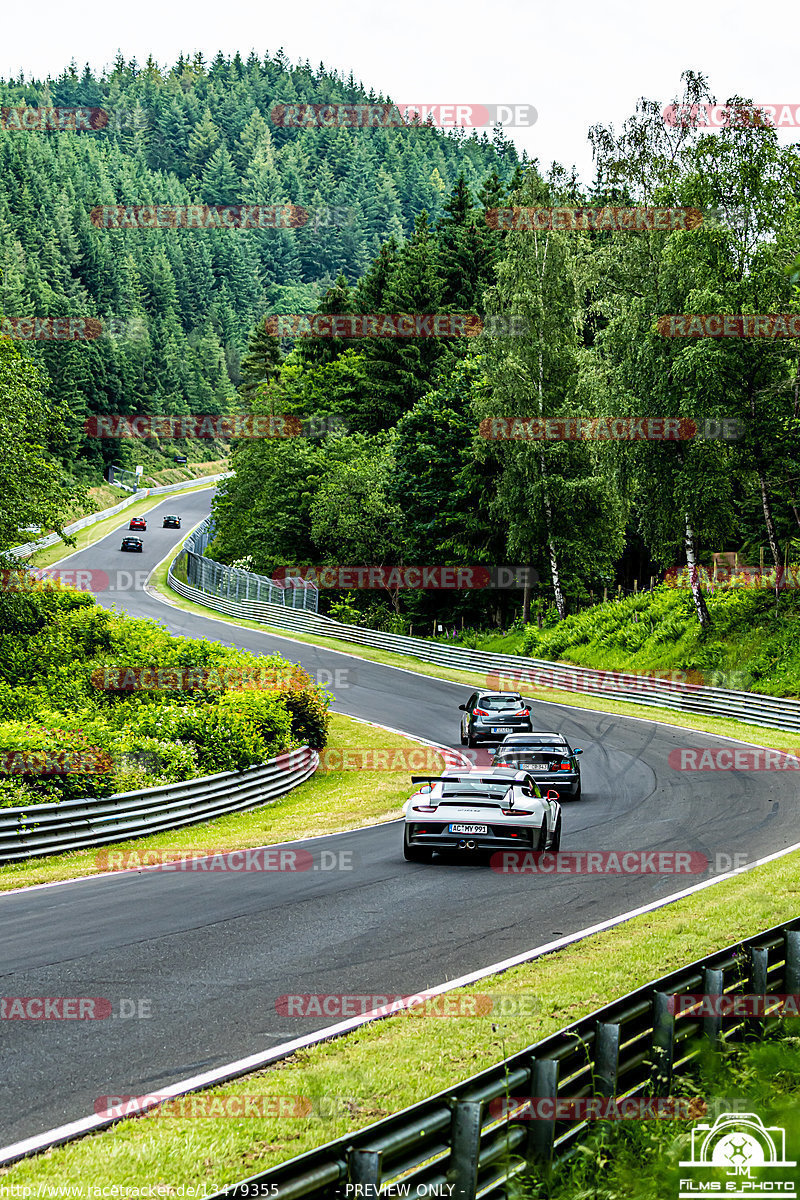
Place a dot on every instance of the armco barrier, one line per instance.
(37, 829)
(95, 518)
(525, 674)
(473, 1139)
(226, 583)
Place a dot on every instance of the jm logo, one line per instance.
(736, 1145)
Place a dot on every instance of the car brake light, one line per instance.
(565, 766)
(478, 712)
(526, 712)
(424, 807)
(517, 812)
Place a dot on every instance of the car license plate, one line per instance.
(469, 829)
(501, 729)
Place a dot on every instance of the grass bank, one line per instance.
(328, 802)
(393, 1063)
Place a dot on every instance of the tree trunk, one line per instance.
(561, 603)
(793, 504)
(526, 597)
(771, 535)
(703, 615)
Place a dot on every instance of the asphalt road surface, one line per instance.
(208, 955)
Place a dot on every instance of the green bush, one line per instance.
(158, 708)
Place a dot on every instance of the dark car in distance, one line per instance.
(138, 523)
(488, 716)
(548, 757)
(171, 522)
(131, 543)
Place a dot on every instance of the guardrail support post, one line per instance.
(791, 973)
(465, 1146)
(541, 1134)
(663, 1042)
(759, 961)
(606, 1060)
(712, 986)
(364, 1166)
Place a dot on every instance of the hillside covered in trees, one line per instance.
(177, 306)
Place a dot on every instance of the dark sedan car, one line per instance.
(551, 760)
(488, 716)
(138, 523)
(171, 522)
(129, 543)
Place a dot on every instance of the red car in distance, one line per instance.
(138, 523)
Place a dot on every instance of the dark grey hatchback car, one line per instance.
(489, 716)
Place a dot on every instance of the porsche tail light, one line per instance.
(424, 807)
(517, 812)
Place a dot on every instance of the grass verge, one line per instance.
(329, 802)
(393, 1063)
(51, 555)
(728, 727)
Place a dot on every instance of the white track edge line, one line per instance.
(314, 837)
(242, 1066)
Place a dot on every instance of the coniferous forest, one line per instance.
(398, 470)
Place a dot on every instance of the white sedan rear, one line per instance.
(498, 809)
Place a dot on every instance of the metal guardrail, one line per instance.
(51, 538)
(33, 830)
(476, 1136)
(233, 585)
(502, 671)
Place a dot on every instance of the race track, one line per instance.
(211, 953)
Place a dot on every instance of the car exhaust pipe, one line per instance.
(465, 845)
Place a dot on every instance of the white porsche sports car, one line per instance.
(498, 809)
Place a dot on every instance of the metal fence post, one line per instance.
(541, 1134)
(364, 1167)
(663, 1042)
(791, 974)
(759, 961)
(465, 1146)
(712, 986)
(606, 1058)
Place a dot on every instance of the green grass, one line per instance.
(328, 802)
(640, 1159)
(52, 555)
(397, 1062)
(773, 738)
(750, 645)
(393, 1063)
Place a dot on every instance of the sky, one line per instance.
(577, 62)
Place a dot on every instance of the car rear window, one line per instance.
(497, 702)
(463, 787)
(533, 756)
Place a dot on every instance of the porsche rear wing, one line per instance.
(468, 777)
